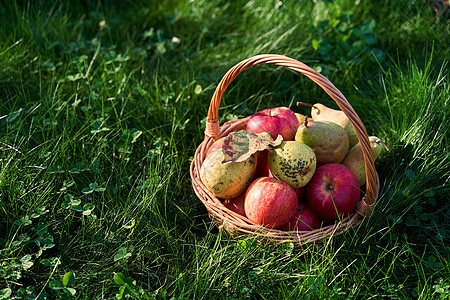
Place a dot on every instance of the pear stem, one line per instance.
(306, 104)
(384, 144)
(306, 121)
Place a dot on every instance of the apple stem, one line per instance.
(306, 104)
(270, 113)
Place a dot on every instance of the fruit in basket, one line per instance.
(216, 145)
(262, 167)
(320, 112)
(240, 145)
(270, 202)
(301, 118)
(301, 191)
(226, 180)
(292, 162)
(275, 121)
(236, 204)
(304, 219)
(333, 191)
(354, 160)
(327, 139)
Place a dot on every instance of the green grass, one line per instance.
(100, 121)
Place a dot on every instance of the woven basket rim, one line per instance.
(237, 224)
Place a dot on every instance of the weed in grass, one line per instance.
(340, 43)
(63, 288)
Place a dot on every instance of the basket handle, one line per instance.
(213, 127)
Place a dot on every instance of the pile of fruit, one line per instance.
(288, 171)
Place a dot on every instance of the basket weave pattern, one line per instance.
(237, 224)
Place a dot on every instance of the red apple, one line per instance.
(301, 191)
(304, 219)
(236, 204)
(216, 145)
(275, 121)
(333, 191)
(262, 166)
(328, 222)
(270, 202)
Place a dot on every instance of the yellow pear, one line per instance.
(320, 112)
(226, 180)
(355, 158)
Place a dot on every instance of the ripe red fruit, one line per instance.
(301, 191)
(262, 167)
(216, 145)
(333, 191)
(236, 204)
(275, 121)
(270, 202)
(304, 219)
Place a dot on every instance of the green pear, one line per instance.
(320, 112)
(292, 162)
(354, 160)
(327, 139)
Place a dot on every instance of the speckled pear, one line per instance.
(355, 158)
(292, 162)
(327, 139)
(226, 180)
(320, 112)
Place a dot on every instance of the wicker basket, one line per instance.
(237, 224)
